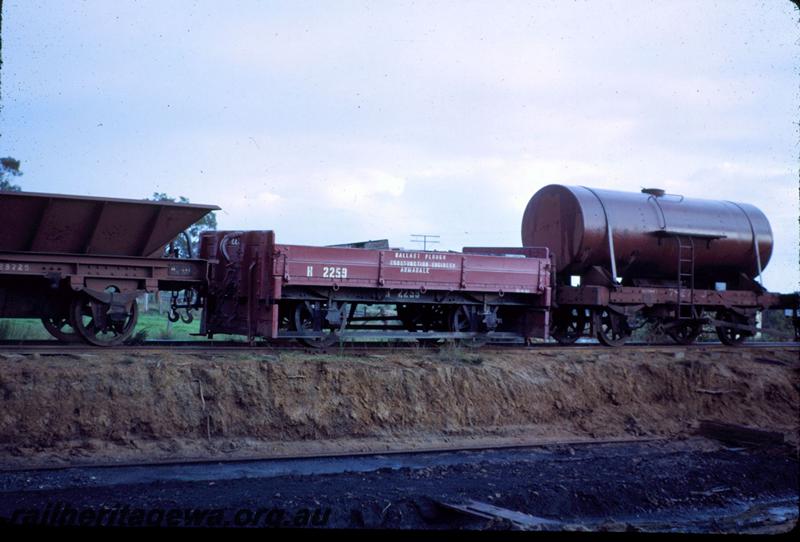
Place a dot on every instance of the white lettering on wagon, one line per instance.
(310, 271)
(422, 270)
(15, 267)
(334, 272)
(420, 263)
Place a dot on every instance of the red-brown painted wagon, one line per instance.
(321, 295)
(79, 263)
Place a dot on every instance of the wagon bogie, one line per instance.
(569, 323)
(610, 327)
(316, 317)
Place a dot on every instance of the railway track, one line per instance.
(55, 347)
(423, 488)
(410, 451)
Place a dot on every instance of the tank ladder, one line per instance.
(685, 310)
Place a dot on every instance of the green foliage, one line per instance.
(191, 234)
(776, 325)
(155, 325)
(23, 329)
(9, 167)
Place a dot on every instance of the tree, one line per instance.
(187, 243)
(9, 168)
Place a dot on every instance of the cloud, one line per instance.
(350, 190)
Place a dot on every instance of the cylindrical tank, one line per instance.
(573, 222)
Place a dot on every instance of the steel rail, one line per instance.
(56, 348)
(520, 444)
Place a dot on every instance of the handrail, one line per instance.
(610, 236)
(755, 241)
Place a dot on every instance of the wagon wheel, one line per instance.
(686, 332)
(461, 321)
(611, 329)
(422, 318)
(304, 322)
(94, 325)
(730, 336)
(60, 328)
(568, 325)
(286, 317)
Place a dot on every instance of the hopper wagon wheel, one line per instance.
(611, 329)
(568, 325)
(686, 332)
(61, 328)
(464, 319)
(96, 326)
(304, 315)
(731, 336)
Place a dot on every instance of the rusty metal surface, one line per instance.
(707, 299)
(55, 223)
(154, 272)
(571, 222)
(30, 283)
(240, 284)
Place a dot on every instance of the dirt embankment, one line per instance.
(156, 406)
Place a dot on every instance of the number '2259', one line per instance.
(334, 272)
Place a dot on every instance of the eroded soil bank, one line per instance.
(154, 406)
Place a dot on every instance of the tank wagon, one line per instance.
(624, 259)
(79, 263)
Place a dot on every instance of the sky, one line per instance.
(340, 121)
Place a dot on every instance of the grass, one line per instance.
(23, 329)
(156, 326)
(456, 353)
(150, 325)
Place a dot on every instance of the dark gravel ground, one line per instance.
(694, 485)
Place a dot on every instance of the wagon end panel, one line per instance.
(240, 297)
